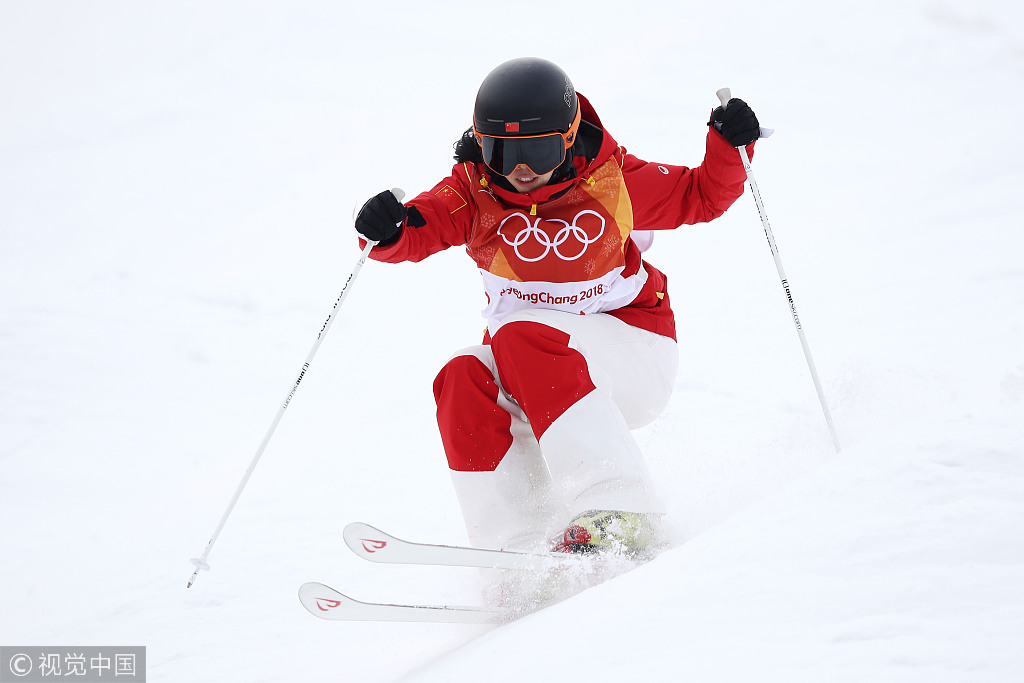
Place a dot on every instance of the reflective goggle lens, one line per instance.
(540, 153)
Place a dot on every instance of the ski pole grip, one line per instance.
(399, 193)
(724, 95)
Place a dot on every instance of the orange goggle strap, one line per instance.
(569, 136)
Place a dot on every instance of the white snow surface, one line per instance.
(177, 181)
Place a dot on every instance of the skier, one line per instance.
(580, 344)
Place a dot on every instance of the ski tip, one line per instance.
(362, 528)
(367, 541)
(322, 601)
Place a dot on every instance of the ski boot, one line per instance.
(631, 534)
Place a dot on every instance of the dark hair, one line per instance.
(468, 149)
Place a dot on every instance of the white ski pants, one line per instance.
(536, 425)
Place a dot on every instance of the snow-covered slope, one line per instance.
(176, 189)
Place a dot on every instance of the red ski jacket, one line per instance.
(574, 245)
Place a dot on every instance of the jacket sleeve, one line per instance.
(665, 197)
(448, 211)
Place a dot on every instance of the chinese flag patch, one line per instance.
(512, 127)
(452, 197)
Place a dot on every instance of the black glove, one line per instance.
(737, 123)
(382, 217)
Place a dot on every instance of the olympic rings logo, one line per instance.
(579, 236)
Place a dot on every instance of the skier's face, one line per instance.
(525, 180)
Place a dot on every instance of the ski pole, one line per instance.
(201, 561)
(724, 95)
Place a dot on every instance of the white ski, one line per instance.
(375, 545)
(325, 602)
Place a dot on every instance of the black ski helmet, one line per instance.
(525, 98)
(532, 94)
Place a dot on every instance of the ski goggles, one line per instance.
(539, 153)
